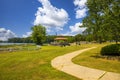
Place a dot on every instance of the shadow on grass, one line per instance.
(106, 57)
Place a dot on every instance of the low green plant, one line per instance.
(112, 50)
(34, 64)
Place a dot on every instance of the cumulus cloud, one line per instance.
(81, 13)
(6, 34)
(75, 29)
(28, 34)
(81, 8)
(50, 16)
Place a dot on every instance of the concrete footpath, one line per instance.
(64, 63)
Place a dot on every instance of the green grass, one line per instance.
(34, 64)
(89, 59)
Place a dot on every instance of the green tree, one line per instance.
(78, 38)
(71, 39)
(103, 20)
(112, 18)
(38, 34)
(94, 20)
(50, 38)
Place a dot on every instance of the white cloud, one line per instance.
(28, 34)
(6, 34)
(75, 29)
(81, 13)
(80, 3)
(50, 16)
(81, 8)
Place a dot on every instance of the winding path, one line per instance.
(64, 63)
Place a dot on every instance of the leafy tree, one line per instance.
(87, 36)
(94, 20)
(50, 38)
(38, 34)
(78, 38)
(103, 20)
(71, 39)
(112, 18)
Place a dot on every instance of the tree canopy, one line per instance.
(103, 20)
(38, 34)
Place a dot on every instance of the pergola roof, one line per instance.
(60, 38)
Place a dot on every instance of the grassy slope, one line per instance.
(34, 64)
(88, 59)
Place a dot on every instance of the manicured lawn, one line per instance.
(89, 59)
(34, 64)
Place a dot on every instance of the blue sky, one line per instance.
(61, 16)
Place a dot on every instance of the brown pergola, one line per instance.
(60, 38)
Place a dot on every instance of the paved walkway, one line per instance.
(64, 63)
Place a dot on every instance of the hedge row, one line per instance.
(112, 50)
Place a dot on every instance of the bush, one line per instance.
(112, 50)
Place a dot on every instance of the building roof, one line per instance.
(60, 38)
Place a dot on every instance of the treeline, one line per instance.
(20, 40)
(70, 39)
(48, 39)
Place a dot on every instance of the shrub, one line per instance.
(112, 50)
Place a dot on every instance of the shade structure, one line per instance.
(60, 38)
